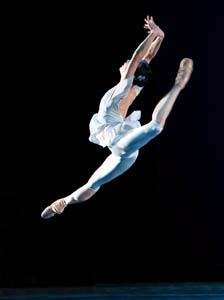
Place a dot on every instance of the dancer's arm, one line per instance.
(141, 51)
(153, 49)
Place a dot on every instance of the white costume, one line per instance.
(122, 136)
(108, 124)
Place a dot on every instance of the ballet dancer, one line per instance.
(122, 134)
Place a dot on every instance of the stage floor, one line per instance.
(157, 291)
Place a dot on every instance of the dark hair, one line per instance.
(141, 77)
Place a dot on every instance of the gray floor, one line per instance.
(167, 291)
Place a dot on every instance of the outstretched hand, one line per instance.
(150, 25)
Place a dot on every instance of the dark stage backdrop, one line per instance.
(160, 221)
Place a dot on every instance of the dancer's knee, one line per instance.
(93, 186)
(158, 125)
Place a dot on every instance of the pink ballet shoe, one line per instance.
(184, 72)
(56, 207)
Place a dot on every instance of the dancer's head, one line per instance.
(142, 74)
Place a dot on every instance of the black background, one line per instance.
(160, 221)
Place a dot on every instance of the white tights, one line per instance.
(124, 154)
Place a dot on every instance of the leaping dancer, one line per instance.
(122, 134)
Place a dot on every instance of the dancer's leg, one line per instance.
(112, 167)
(164, 107)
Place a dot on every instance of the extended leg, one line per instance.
(164, 107)
(112, 167)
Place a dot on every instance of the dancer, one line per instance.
(122, 134)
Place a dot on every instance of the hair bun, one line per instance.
(142, 74)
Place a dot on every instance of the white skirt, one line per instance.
(108, 125)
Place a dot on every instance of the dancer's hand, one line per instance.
(150, 25)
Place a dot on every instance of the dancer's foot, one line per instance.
(184, 72)
(56, 207)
